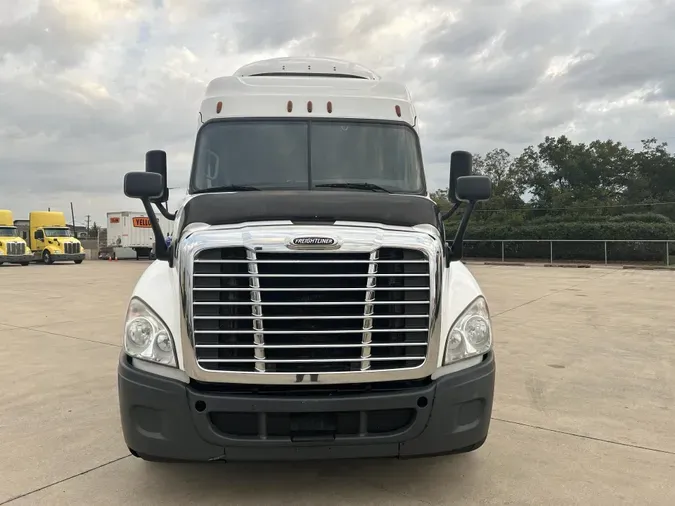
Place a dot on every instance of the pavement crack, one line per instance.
(583, 436)
(40, 489)
(38, 329)
(74, 337)
(552, 293)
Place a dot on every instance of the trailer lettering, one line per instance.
(141, 222)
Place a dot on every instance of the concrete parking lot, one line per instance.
(584, 408)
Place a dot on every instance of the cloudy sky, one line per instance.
(87, 86)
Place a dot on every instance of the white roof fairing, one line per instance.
(264, 89)
(308, 65)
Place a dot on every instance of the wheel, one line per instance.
(78, 262)
(25, 263)
(2, 263)
(47, 257)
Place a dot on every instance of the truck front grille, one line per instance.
(313, 312)
(71, 248)
(16, 248)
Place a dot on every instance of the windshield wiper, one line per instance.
(229, 188)
(356, 186)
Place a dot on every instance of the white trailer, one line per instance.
(132, 231)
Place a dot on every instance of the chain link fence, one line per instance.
(604, 251)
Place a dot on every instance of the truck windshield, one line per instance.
(8, 232)
(303, 154)
(57, 232)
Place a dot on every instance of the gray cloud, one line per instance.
(49, 30)
(87, 87)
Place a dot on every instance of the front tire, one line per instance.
(47, 257)
(78, 262)
(25, 263)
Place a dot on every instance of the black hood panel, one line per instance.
(308, 206)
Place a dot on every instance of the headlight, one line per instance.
(471, 334)
(146, 337)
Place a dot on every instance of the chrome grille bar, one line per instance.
(367, 275)
(337, 260)
(369, 311)
(313, 289)
(302, 361)
(309, 332)
(258, 337)
(368, 314)
(300, 346)
(352, 303)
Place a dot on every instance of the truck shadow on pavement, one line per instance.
(356, 481)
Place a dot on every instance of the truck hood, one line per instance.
(63, 240)
(310, 206)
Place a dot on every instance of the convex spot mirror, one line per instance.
(473, 188)
(143, 185)
(155, 163)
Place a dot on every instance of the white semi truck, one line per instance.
(309, 306)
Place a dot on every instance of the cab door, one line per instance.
(39, 237)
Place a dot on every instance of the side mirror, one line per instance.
(147, 186)
(461, 163)
(464, 188)
(155, 163)
(473, 188)
(143, 185)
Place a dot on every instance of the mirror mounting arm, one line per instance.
(161, 251)
(165, 212)
(452, 211)
(456, 250)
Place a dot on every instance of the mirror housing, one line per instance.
(463, 188)
(143, 185)
(146, 186)
(155, 163)
(473, 188)
(461, 164)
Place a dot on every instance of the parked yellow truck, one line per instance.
(13, 249)
(51, 240)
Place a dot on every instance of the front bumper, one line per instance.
(64, 257)
(164, 419)
(16, 259)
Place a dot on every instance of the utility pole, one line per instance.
(88, 219)
(72, 214)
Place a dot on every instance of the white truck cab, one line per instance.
(309, 305)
